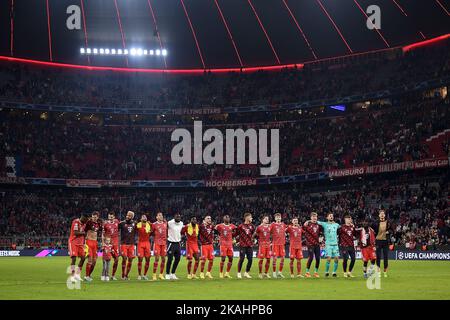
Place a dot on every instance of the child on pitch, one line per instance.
(107, 249)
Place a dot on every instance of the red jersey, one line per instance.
(278, 232)
(263, 233)
(366, 237)
(93, 226)
(245, 234)
(127, 232)
(312, 233)
(206, 234)
(159, 232)
(346, 236)
(225, 234)
(191, 234)
(144, 230)
(107, 250)
(295, 236)
(77, 226)
(111, 229)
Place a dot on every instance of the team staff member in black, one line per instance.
(174, 227)
(382, 230)
(244, 235)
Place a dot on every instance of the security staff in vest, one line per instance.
(382, 230)
(174, 246)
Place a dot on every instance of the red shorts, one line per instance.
(76, 249)
(127, 250)
(143, 249)
(226, 251)
(191, 250)
(115, 247)
(295, 253)
(264, 252)
(368, 254)
(278, 250)
(92, 248)
(159, 250)
(207, 251)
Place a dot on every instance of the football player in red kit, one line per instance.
(144, 230)
(111, 230)
(263, 234)
(278, 233)
(367, 242)
(226, 232)
(207, 240)
(295, 232)
(244, 237)
(76, 246)
(159, 244)
(191, 231)
(93, 227)
(127, 230)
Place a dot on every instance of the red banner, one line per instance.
(390, 167)
(230, 183)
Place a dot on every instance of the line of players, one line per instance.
(270, 237)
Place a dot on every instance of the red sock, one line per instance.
(260, 264)
(147, 265)
(161, 267)
(229, 265)
(222, 263)
(124, 265)
(274, 264)
(281, 264)
(189, 266)
(88, 269)
(155, 266)
(195, 266)
(114, 268)
(202, 266)
(210, 265)
(266, 267)
(291, 266)
(92, 269)
(128, 267)
(299, 266)
(139, 267)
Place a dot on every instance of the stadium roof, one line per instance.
(205, 34)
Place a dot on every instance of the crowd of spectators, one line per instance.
(342, 77)
(376, 135)
(418, 210)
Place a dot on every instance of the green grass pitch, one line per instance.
(45, 278)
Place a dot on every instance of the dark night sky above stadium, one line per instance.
(215, 33)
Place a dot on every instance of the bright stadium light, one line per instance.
(115, 51)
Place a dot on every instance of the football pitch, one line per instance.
(45, 278)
